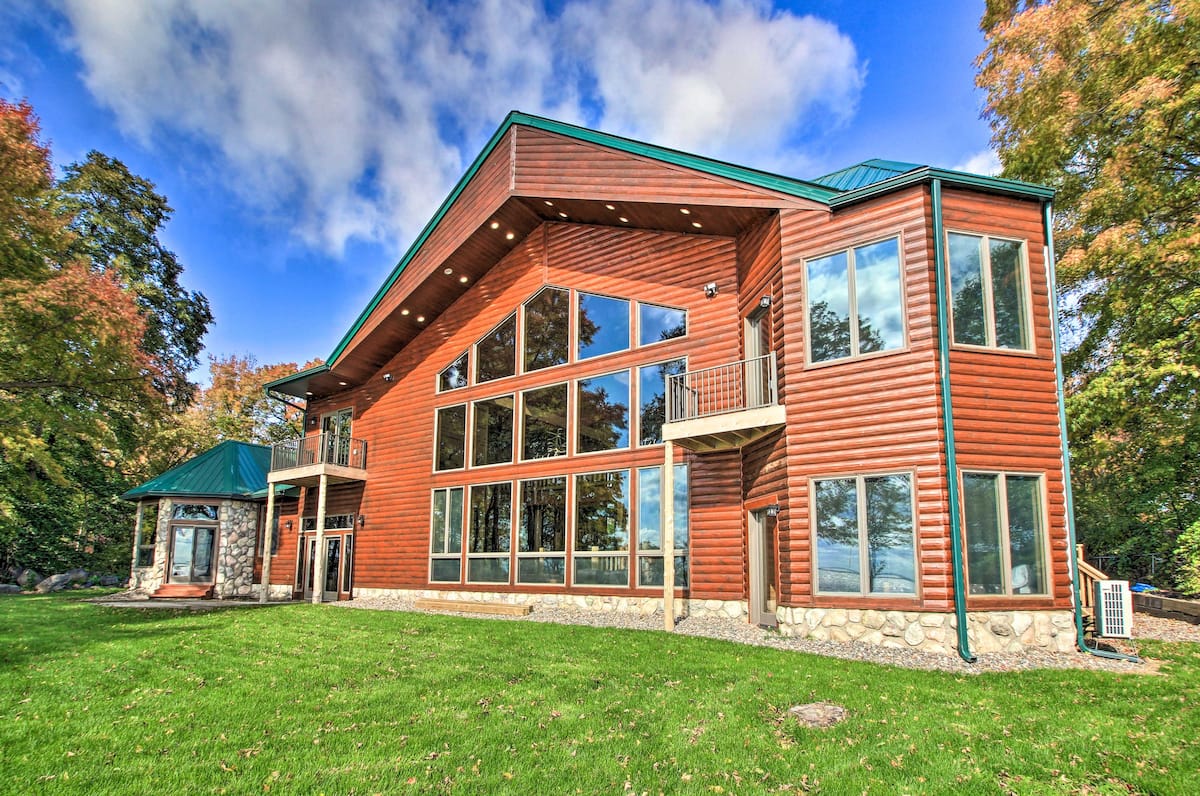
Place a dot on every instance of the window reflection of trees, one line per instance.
(603, 413)
(496, 354)
(491, 518)
(887, 527)
(492, 440)
(544, 432)
(652, 392)
(451, 437)
(547, 329)
(602, 512)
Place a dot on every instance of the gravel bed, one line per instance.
(745, 633)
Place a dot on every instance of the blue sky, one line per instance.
(303, 146)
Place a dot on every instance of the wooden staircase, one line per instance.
(1088, 575)
(183, 591)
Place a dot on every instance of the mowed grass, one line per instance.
(318, 699)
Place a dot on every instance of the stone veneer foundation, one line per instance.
(988, 631)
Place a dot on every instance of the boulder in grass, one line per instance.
(111, 580)
(54, 583)
(9, 588)
(818, 714)
(77, 575)
(28, 579)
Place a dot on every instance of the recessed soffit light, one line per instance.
(609, 207)
(405, 311)
(447, 271)
(697, 224)
(463, 279)
(623, 220)
(494, 225)
(509, 235)
(685, 211)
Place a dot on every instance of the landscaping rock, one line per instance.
(77, 575)
(111, 580)
(9, 588)
(818, 714)
(54, 583)
(28, 579)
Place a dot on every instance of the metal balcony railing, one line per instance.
(735, 387)
(319, 449)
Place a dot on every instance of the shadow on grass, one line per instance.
(34, 627)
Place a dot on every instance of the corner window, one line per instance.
(492, 435)
(652, 398)
(547, 329)
(989, 292)
(602, 405)
(855, 302)
(544, 422)
(542, 531)
(865, 538)
(1006, 534)
(650, 560)
(656, 324)
(446, 529)
(451, 438)
(490, 532)
(496, 353)
(602, 529)
(603, 325)
(454, 376)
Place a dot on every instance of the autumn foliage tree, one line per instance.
(1101, 100)
(85, 365)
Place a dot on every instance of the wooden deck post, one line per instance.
(319, 556)
(268, 537)
(667, 535)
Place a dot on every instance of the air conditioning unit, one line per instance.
(1114, 609)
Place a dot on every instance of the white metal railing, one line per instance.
(734, 387)
(319, 449)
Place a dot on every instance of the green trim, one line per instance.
(943, 318)
(760, 179)
(1072, 563)
(956, 178)
(308, 373)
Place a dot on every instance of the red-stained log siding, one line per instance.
(872, 415)
(1005, 404)
(397, 419)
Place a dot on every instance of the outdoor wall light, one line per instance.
(288, 525)
(773, 510)
(711, 289)
(764, 302)
(362, 520)
(387, 377)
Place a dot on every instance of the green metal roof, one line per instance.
(231, 469)
(866, 173)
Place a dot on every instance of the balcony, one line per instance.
(303, 461)
(724, 407)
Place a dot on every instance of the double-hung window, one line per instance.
(1006, 533)
(865, 537)
(855, 302)
(989, 293)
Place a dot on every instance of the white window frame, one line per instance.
(462, 545)
(989, 303)
(851, 286)
(468, 555)
(438, 378)
(571, 324)
(864, 563)
(676, 552)
(467, 429)
(1005, 539)
(637, 323)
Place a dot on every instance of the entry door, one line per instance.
(339, 564)
(336, 428)
(758, 372)
(308, 560)
(333, 568)
(764, 571)
(192, 554)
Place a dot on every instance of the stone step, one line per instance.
(470, 607)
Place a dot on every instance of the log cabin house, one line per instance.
(842, 397)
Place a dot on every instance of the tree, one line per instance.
(116, 217)
(1101, 100)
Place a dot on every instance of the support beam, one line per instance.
(667, 533)
(319, 556)
(268, 537)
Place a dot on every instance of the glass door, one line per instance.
(336, 430)
(764, 574)
(191, 554)
(758, 372)
(333, 568)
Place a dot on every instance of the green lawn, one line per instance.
(312, 699)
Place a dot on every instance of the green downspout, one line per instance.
(1073, 565)
(943, 326)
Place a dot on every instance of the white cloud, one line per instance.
(354, 124)
(985, 162)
